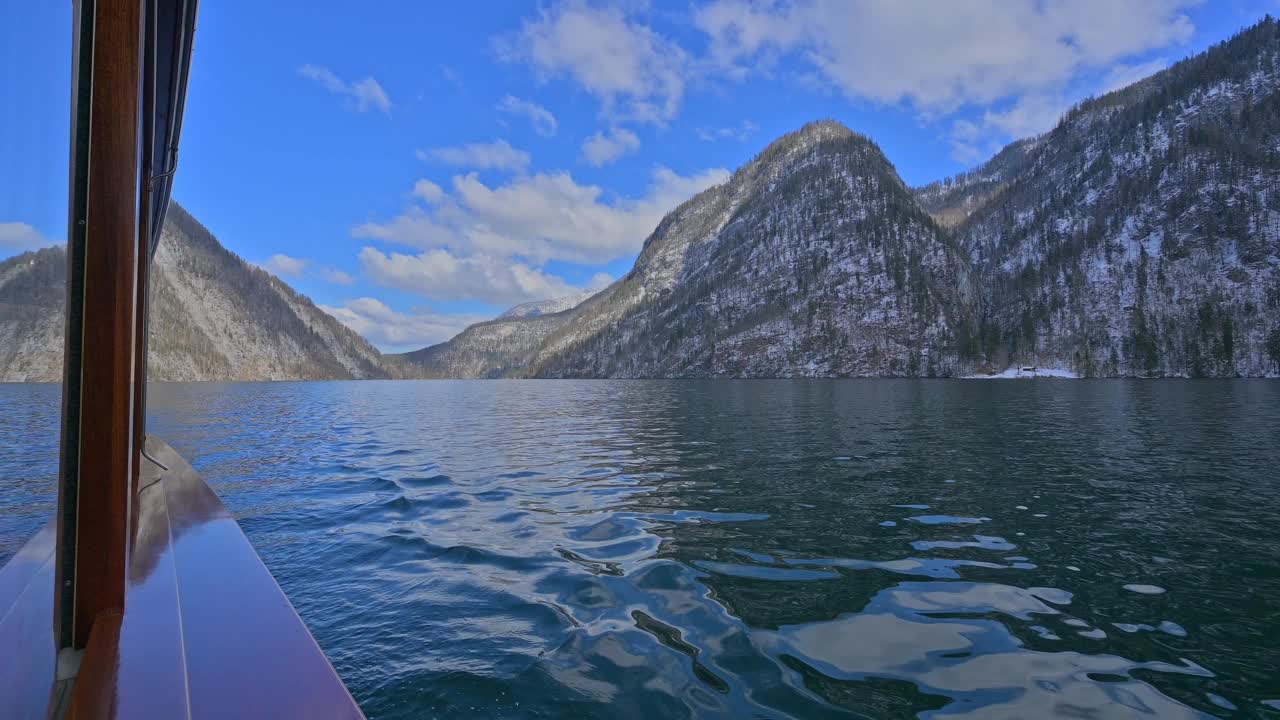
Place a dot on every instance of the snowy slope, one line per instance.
(214, 317)
(1142, 235)
(813, 259)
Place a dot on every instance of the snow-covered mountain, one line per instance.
(1139, 237)
(495, 348)
(214, 317)
(814, 259)
(547, 307)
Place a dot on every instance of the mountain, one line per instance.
(33, 289)
(213, 317)
(494, 348)
(547, 307)
(1140, 237)
(952, 201)
(814, 259)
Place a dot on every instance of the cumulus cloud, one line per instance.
(605, 147)
(497, 155)
(360, 95)
(634, 72)
(429, 191)
(544, 123)
(442, 275)
(1013, 59)
(490, 242)
(1028, 116)
(394, 331)
(336, 276)
(285, 266)
(941, 55)
(16, 237)
(1018, 63)
(295, 268)
(540, 217)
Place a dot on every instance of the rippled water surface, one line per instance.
(876, 549)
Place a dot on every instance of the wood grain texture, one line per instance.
(110, 314)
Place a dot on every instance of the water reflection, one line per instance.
(806, 549)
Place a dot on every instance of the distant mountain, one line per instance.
(214, 317)
(547, 307)
(33, 289)
(1140, 237)
(950, 202)
(495, 348)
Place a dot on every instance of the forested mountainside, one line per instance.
(1140, 237)
(495, 348)
(214, 317)
(813, 259)
(955, 199)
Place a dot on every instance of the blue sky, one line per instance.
(414, 167)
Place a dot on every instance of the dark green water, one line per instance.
(650, 549)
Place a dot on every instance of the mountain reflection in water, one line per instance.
(774, 548)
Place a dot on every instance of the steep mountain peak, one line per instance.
(819, 133)
(213, 317)
(819, 130)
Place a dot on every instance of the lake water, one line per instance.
(877, 549)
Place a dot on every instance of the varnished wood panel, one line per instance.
(248, 652)
(206, 632)
(104, 415)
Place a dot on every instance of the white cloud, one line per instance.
(939, 56)
(285, 266)
(544, 123)
(634, 72)
(490, 243)
(540, 217)
(1124, 74)
(394, 331)
(16, 237)
(295, 268)
(361, 95)
(600, 281)
(428, 191)
(601, 149)
(441, 275)
(740, 133)
(336, 276)
(498, 155)
(1028, 116)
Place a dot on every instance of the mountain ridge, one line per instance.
(214, 316)
(1139, 237)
